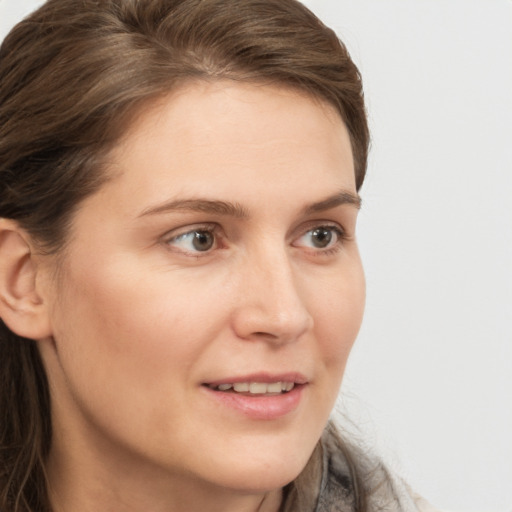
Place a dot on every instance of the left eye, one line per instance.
(197, 240)
(321, 237)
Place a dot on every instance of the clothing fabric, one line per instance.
(328, 484)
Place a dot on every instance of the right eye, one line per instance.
(194, 241)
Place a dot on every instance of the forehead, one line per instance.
(240, 138)
(228, 112)
(201, 98)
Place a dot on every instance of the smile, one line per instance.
(260, 398)
(255, 388)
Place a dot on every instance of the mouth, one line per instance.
(254, 388)
(260, 396)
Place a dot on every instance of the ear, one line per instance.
(21, 307)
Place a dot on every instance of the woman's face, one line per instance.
(210, 293)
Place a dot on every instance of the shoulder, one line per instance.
(351, 476)
(422, 504)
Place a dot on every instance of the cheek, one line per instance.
(338, 316)
(125, 339)
(134, 320)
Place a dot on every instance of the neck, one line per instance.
(89, 485)
(91, 499)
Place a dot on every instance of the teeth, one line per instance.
(288, 386)
(258, 388)
(275, 387)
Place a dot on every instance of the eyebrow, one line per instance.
(199, 205)
(238, 211)
(341, 198)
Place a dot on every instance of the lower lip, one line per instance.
(260, 407)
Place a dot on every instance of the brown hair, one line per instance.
(71, 75)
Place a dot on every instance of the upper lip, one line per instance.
(267, 378)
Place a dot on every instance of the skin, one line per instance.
(140, 320)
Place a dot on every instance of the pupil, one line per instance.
(322, 237)
(203, 241)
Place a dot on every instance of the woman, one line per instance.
(179, 277)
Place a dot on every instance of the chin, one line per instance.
(259, 480)
(264, 471)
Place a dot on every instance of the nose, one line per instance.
(270, 304)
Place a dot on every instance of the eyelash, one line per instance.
(338, 243)
(215, 230)
(212, 229)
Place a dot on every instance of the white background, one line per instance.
(429, 384)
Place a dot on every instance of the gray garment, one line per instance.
(327, 483)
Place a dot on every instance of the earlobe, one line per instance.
(22, 308)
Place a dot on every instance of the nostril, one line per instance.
(258, 325)
(272, 309)
(264, 334)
